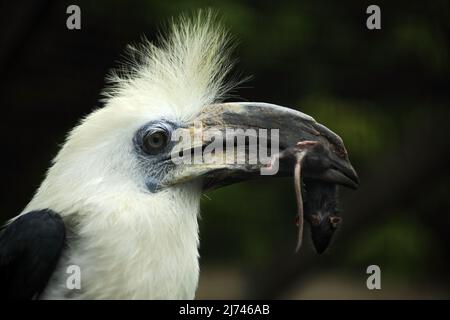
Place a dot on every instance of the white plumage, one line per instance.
(130, 243)
(114, 203)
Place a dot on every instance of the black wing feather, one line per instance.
(30, 248)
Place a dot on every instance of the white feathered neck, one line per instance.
(129, 243)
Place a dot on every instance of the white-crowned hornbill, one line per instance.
(114, 203)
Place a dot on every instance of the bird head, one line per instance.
(130, 148)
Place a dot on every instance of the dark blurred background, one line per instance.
(386, 92)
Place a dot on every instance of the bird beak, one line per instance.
(205, 150)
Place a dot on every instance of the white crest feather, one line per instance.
(184, 72)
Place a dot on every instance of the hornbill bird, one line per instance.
(115, 204)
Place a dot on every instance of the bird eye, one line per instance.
(155, 141)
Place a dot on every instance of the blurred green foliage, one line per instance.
(369, 87)
(373, 88)
(398, 244)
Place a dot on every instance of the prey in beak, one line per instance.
(292, 144)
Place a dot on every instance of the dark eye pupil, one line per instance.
(154, 142)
